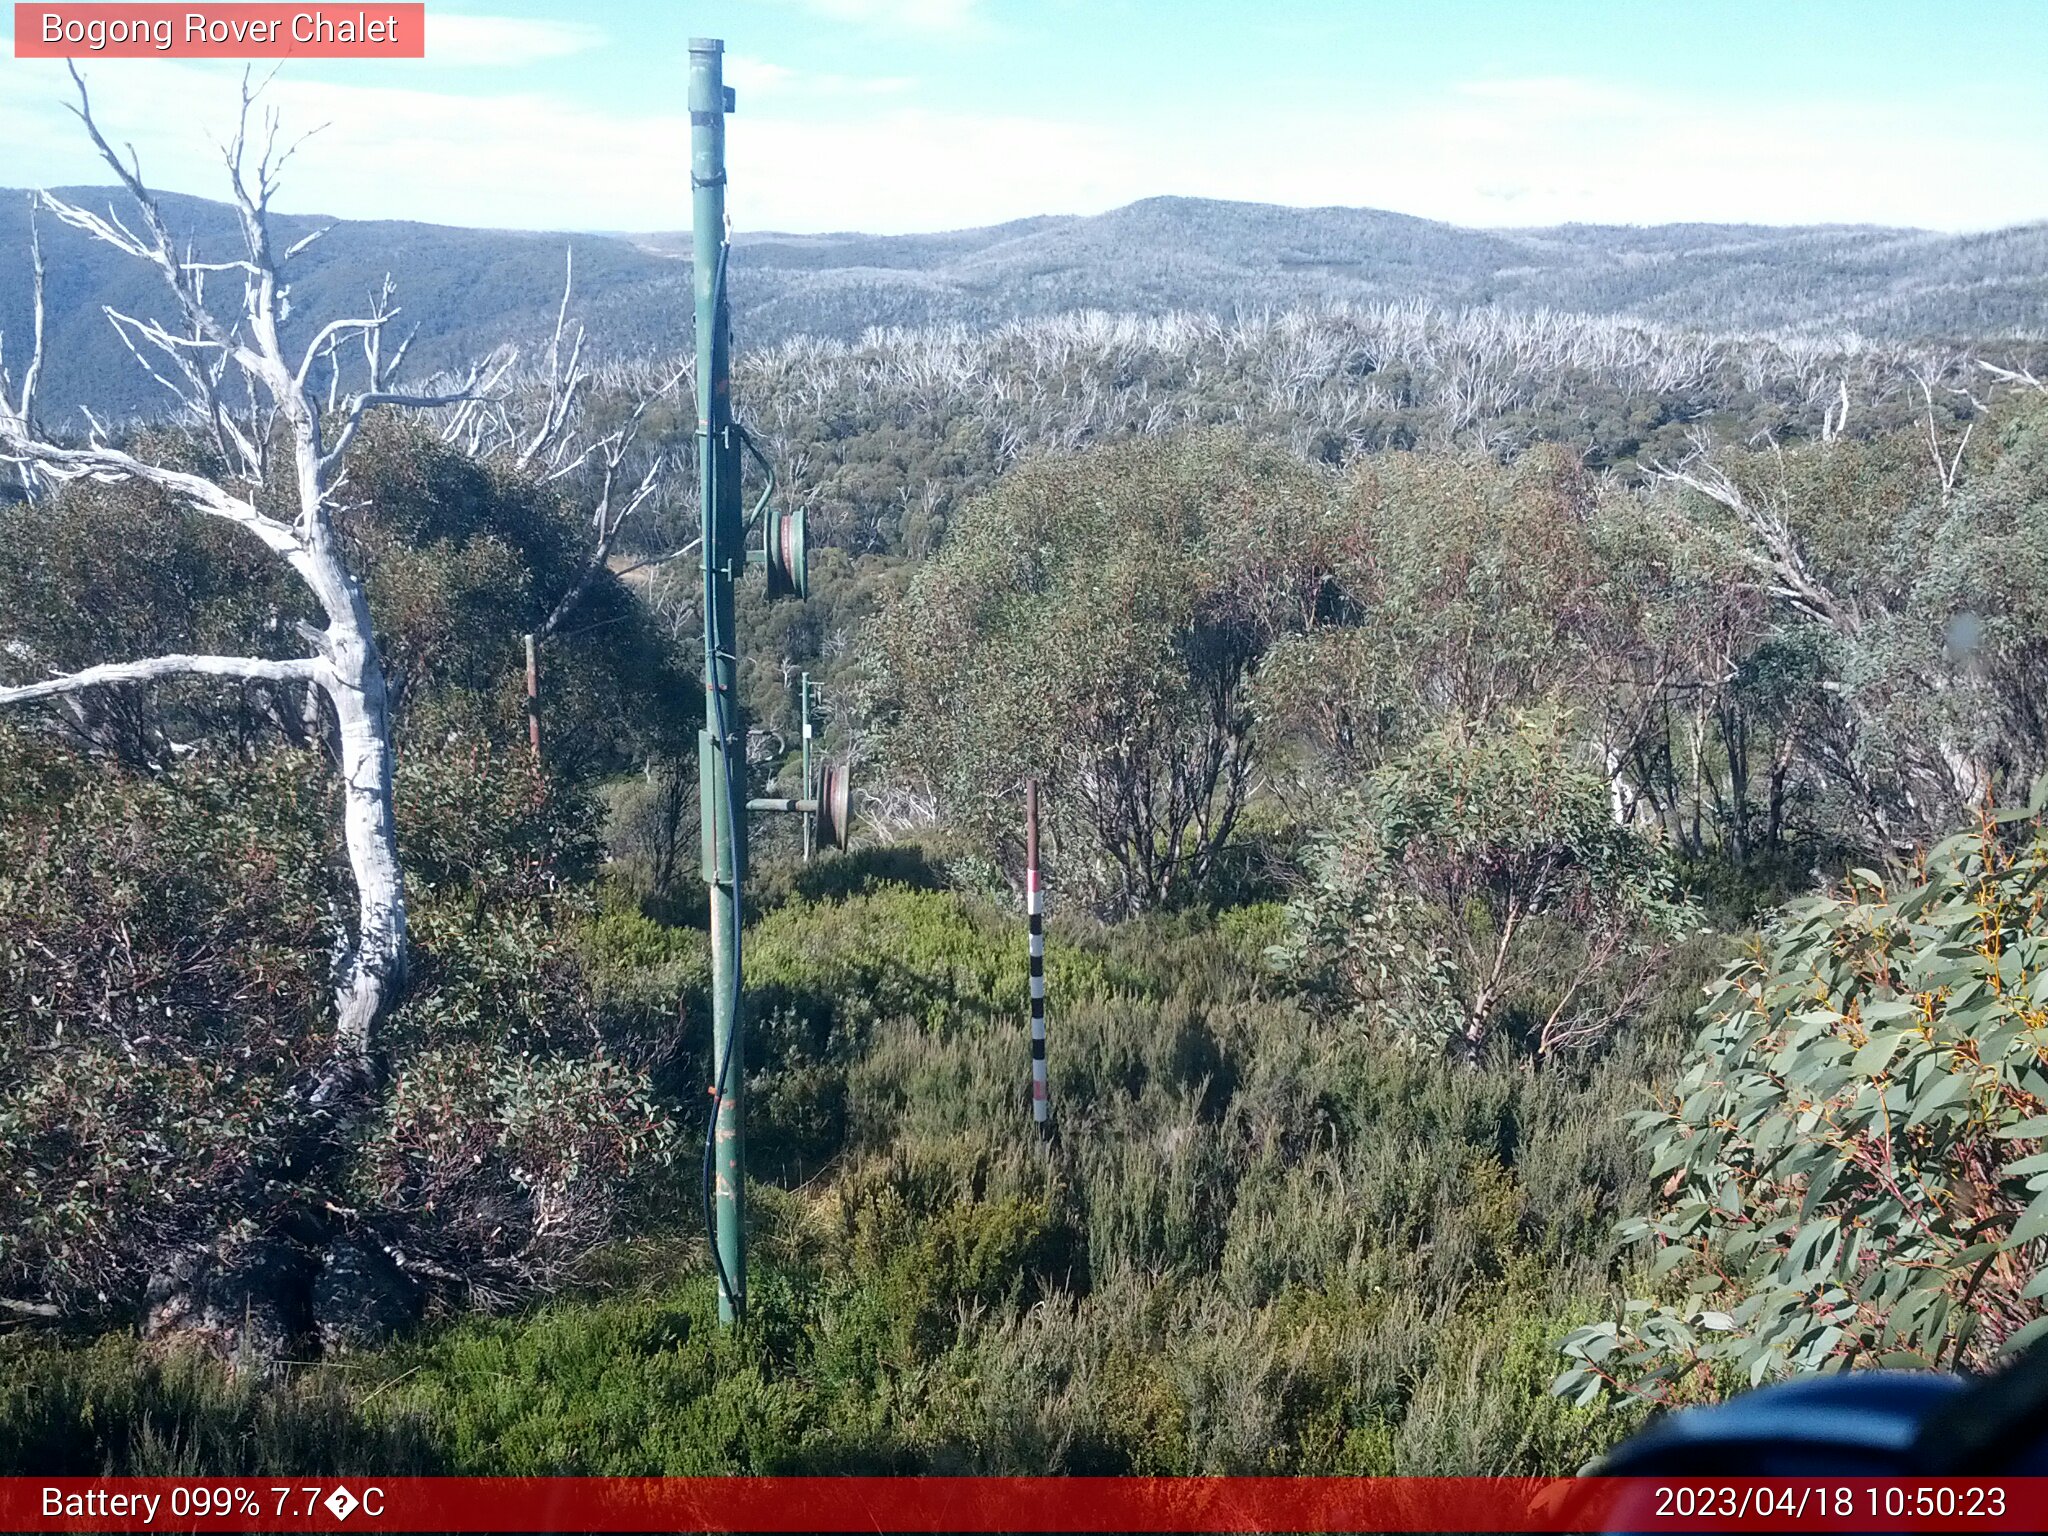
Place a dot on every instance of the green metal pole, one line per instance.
(804, 694)
(723, 740)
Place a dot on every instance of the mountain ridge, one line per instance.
(471, 289)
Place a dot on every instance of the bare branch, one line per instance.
(2012, 376)
(397, 363)
(360, 405)
(100, 462)
(303, 241)
(480, 420)
(605, 520)
(416, 402)
(25, 409)
(607, 524)
(184, 277)
(113, 674)
(330, 336)
(548, 438)
(1945, 469)
(1832, 424)
(1795, 580)
(663, 559)
(34, 371)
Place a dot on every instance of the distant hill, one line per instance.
(1170, 252)
(471, 289)
(468, 290)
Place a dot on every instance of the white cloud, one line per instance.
(1552, 150)
(1562, 95)
(758, 77)
(534, 162)
(505, 41)
(845, 160)
(898, 15)
(909, 169)
(749, 74)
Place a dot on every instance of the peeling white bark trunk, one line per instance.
(376, 969)
(355, 686)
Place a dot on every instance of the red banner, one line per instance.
(373, 30)
(1048, 1504)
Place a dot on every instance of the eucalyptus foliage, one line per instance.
(1096, 621)
(1479, 875)
(1853, 1165)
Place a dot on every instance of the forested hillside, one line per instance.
(1545, 825)
(1343, 1057)
(1220, 257)
(472, 290)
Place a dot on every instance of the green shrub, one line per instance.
(117, 1407)
(648, 1386)
(1263, 1242)
(1480, 878)
(828, 981)
(162, 982)
(1853, 1166)
(164, 997)
(1129, 594)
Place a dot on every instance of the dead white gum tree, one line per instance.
(539, 424)
(284, 440)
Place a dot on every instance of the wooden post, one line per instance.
(533, 700)
(1034, 913)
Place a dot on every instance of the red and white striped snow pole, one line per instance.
(1034, 912)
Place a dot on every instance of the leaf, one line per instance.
(1939, 1096)
(2025, 1166)
(1877, 1054)
(1670, 1259)
(2032, 1223)
(2025, 1336)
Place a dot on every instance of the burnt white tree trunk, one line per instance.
(240, 343)
(355, 687)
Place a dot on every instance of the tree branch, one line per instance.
(1796, 582)
(562, 387)
(25, 410)
(99, 462)
(112, 674)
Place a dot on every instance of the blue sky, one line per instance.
(896, 115)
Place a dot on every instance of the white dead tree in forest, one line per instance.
(1788, 574)
(1955, 772)
(282, 450)
(537, 424)
(24, 407)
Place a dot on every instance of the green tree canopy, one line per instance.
(1481, 877)
(1096, 621)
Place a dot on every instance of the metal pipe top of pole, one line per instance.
(708, 91)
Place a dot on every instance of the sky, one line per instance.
(911, 115)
